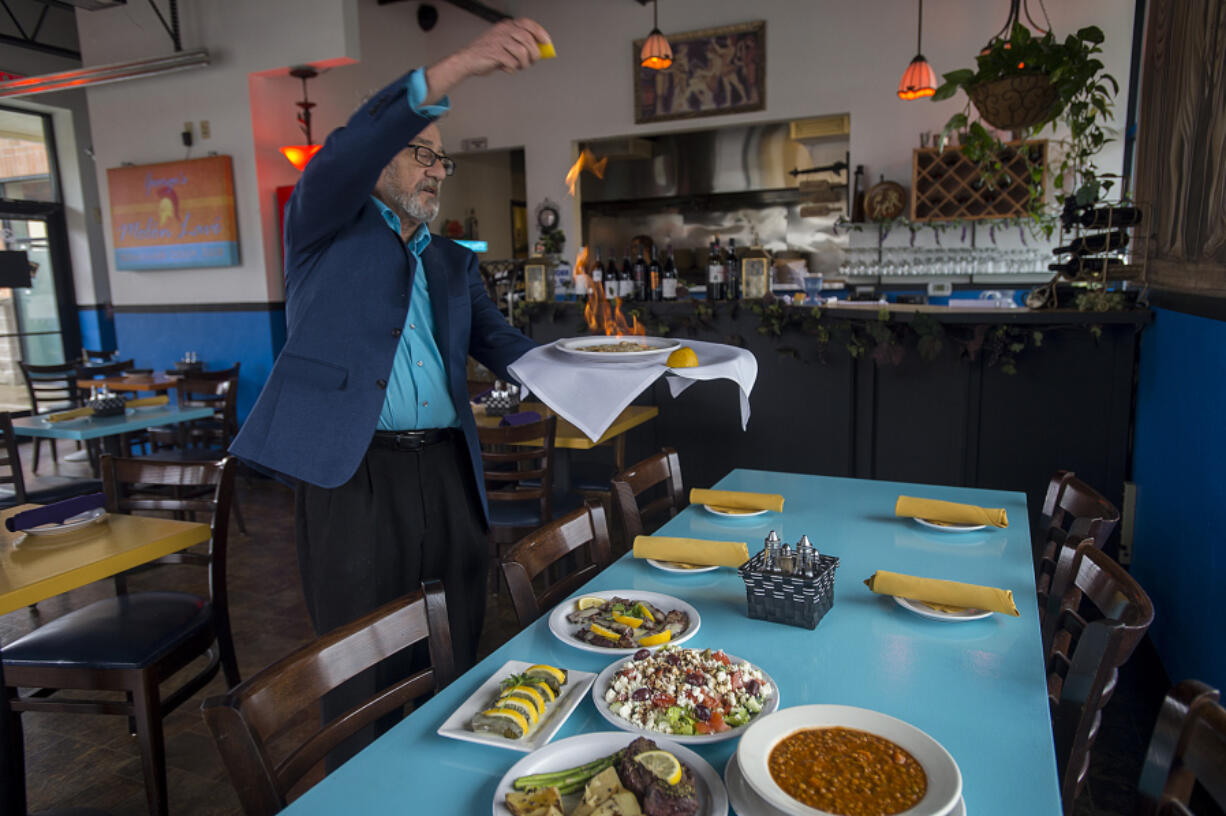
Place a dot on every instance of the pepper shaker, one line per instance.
(771, 547)
(806, 556)
(787, 559)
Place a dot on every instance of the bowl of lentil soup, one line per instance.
(833, 760)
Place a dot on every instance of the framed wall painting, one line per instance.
(174, 215)
(715, 71)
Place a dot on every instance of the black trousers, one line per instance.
(404, 517)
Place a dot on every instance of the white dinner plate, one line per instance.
(925, 611)
(564, 630)
(661, 347)
(69, 524)
(673, 566)
(731, 513)
(577, 750)
(745, 800)
(761, 736)
(948, 527)
(602, 684)
(457, 725)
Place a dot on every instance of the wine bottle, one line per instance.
(612, 286)
(625, 280)
(715, 272)
(1108, 217)
(596, 272)
(653, 277)
(668, 282)
(640, 276)
(1093, 244)
(1086, 268)
(732, 273)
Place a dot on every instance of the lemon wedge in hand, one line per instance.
(683, 357)
(661, 763)
(547, 50)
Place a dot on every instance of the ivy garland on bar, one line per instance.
(887, 340)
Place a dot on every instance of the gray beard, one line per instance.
(412, 206)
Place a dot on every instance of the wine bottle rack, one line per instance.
(946, 185)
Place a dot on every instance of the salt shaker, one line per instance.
(806, 556)
(787, 559)
(772, 552)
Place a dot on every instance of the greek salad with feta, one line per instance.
(687, 691)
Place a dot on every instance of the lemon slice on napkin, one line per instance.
(683, 357)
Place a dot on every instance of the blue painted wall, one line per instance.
(97, 328)
(1179, 467)
(220, 339)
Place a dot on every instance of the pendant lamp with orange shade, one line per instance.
(657, 53)
(300, 155)
(919, 80)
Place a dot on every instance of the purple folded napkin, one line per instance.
(522, 418)
(55, 513)
(477, 399)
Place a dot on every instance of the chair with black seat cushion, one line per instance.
(648, 493)
(583, 531)
(50, 388)
(518, 469)
(1185, 766)
(16, 489)
(133, 642)
(1073, 512)
(1089, 631)
(246, 721)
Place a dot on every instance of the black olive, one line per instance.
(702, 712)
(642, 654)
(672, 660)
(751, 688)
(695, 679)
(640, 694)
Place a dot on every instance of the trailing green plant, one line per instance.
(1084, 95)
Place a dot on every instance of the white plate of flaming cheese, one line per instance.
(521, 706)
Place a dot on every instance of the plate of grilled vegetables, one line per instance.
(610, 773)
(622, 621)
(520, 707)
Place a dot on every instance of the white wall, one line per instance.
(822, 57)
(483, 182)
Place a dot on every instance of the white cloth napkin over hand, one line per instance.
(592, 395)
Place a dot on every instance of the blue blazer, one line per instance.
(348, 278)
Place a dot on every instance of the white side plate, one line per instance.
(457, 725)
(925, 611)
(673, 566)
(947, 527)
(69, 524)
(729, 513)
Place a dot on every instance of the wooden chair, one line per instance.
(16, 489)
(50, 388)
(1072, 512)
(1187, 750)
(656, 481)
(215, 389)
(99, 355)
(245, 721)
(132, 642)
(101, 370)
(583, 529)
(1089, 632)
(518, 465)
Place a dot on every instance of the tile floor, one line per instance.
(74, 760)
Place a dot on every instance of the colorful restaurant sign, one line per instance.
(174, 215)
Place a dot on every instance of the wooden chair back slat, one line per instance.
(251, 715)
(1073, 512)
(1187, 747)
(1088, 633)
(584, 530)
(509, 459)
(10, 466)
(662, 470)
(51, 386)
(96, 372)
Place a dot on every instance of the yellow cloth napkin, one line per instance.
(950, 512)
(942, 594)
(75, 413)
(692, 550)
(737, 500)
(146, 402)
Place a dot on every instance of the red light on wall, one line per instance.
(300, 155)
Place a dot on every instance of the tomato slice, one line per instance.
(722, 658)
(717, 722)
(661, 700)
(701, 727)
(736, 681)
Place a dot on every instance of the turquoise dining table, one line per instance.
(977, 687)
(108, 428)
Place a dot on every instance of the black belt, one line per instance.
(411, 440)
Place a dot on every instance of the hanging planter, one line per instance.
(1014, 102)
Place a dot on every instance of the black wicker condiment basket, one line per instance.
(790, 599)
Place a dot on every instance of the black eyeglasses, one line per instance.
(427, 157)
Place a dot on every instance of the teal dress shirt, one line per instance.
(417, 393)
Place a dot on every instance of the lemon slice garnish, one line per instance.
(522, 706)
(683, 357)
(657, 638)
(661, 763)
(589, 602)
(633, 623)
(606, 633)
(556, 673)
(642, 611)
(529, 693)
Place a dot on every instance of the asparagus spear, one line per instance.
(569, 780)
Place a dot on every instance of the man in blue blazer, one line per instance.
(367, 405)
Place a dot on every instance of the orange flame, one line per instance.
(586, 161)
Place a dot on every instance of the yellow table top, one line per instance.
(568, 436)
(36, 567)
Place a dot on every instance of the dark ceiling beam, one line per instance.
(7, 39)
(59, 4)
(480, 9)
